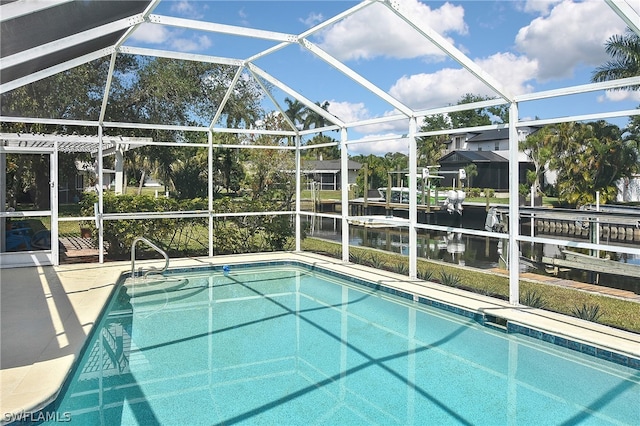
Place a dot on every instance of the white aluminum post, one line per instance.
(53, 188)
(99, 212)
(210, 189)
(413, 200)
(514, 213)
(344, 177)
(298, 194)
(119, 167)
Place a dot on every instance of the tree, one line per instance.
(170, 91)
(190, 175)
(632, 132)
(471, 170)
(143, 90)
(431, 148)
(314, 120)
(378, 169)
(325, 152)
(624, 51)
(269, 171)
(538, 147)
(227, 166)
(588, 158)
(478, 116)
(296, 111)
(625, 58)
(399, 163)
(72, 94)
(610, 158)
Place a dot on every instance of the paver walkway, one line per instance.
(591, 288)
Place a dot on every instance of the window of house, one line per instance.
(458, 142)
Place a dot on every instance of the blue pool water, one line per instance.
(287, 345)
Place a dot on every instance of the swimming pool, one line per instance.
(291, 344)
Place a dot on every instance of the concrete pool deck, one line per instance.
(47, 314)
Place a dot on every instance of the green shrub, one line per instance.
(189, 236)
(358, 257)
(450, 279)
(425, 274)
(401, 268)
(473, 192)
(587, 312)
(119, 234)
(485, 291)
(376, 261)
(533, 299)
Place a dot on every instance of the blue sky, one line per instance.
(527, 46)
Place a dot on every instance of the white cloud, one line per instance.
(376, 31)
(157, 34)
(351, 112)
(620, 95)
(186, 8)
(312, 19)
(539, 6)
(512, 71)
(151, 33)
(562, 40)
(191, 44)
(447, 86)
(387, 127)
(347, 111)
(444, 87)
(380, 147)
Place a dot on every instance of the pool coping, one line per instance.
(41, 346)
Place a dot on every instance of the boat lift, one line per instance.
(451, 199)
(593, 222)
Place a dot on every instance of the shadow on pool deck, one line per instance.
(46, 314)
(37, 318)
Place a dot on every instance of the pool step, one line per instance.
(496, 323)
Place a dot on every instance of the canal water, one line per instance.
(467, 250)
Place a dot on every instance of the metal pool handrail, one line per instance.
(153, 268)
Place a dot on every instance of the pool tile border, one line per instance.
(511, 327)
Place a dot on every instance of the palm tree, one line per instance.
(431, 148)
(296, 111)
(315, 120)
(625, 59)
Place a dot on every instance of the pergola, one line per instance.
(43, 37)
